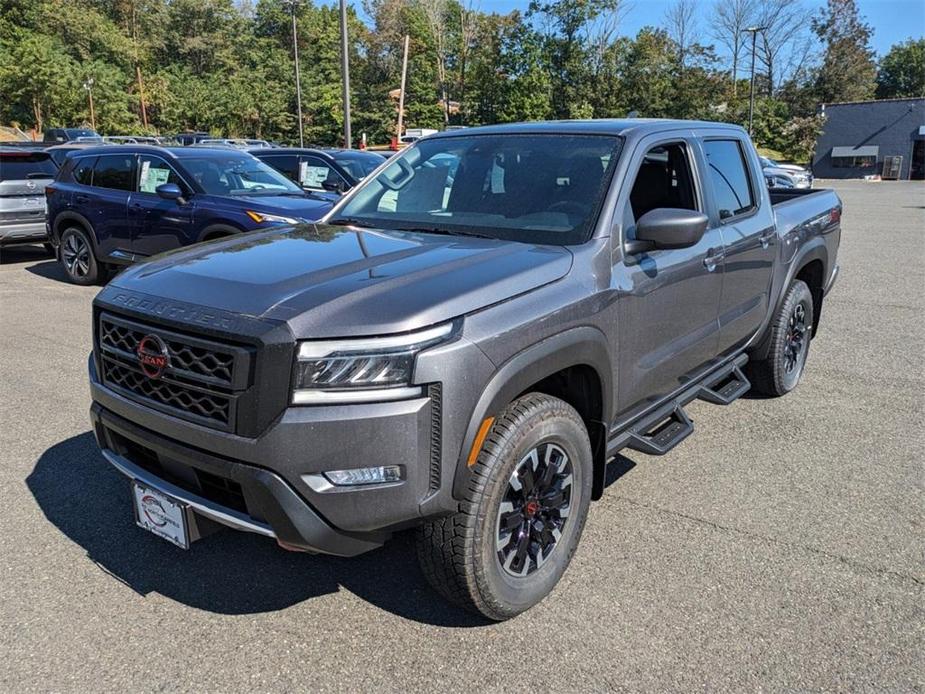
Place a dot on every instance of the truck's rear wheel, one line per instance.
(791, 332)
(523, 514)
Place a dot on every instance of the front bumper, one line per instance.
(28, 232)
(268, 506)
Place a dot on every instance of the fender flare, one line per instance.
(71, 216)
(582, 346)
(815, 249)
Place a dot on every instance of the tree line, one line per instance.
(163, 66)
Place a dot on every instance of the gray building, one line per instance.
(864, 138)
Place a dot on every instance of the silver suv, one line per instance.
(24, 173)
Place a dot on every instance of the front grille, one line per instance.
(202, 381)
(203, 404)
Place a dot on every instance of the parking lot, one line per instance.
(780, 547)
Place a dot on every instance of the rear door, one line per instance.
(157, 224)
(744, 217)
(105, 203)
(23, 177)
(671, 296)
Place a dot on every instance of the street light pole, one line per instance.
(293, 5)
(345, 73)
(88, 85)
(751, 95)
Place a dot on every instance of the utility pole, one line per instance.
(401, 92)
(88, 85)
(751, 95)
(345, 73)
(293, 6)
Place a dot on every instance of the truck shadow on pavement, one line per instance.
(228, 572)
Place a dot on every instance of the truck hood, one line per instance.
(331, 281)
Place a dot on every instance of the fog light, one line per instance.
(364, 475)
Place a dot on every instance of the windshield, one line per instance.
(241, 175)
(359, 165)
(531, 188)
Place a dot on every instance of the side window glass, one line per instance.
(83, 171)
(664, 179)
(732, 186)
(153, 172)
(314, 171)
(287, 164)
(114, 171)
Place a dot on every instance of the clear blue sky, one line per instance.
(893, 20)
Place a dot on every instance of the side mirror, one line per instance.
(334, 186)
(170, 191)
(667, 227)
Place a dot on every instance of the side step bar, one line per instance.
(659, 431)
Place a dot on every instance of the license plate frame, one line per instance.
(161, 514)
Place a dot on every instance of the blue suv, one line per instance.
(115, 205)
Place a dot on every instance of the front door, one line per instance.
(670, 298)
(158, 225)
(749, 238)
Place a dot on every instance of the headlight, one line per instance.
(262, 218)
(362, 370)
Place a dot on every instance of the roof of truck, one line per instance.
(598, 126)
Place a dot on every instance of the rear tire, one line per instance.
(791, 333)
(522, 515)
(77, 258)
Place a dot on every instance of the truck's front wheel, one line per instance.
(520, 522)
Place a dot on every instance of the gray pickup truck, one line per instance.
(461, 346)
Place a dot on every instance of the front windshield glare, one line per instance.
(531, 188)
(238, 176)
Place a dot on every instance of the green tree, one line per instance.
(848, 72)
(902, 70)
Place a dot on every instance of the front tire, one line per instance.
(791, 332)
(77, 258)
(522, 516)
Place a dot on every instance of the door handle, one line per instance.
(82, 198)
(766, 237)
(713, 258)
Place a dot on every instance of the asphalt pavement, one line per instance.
(778, 548)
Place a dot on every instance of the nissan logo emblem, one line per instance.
(153, 356)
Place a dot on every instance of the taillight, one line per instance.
(49, 190)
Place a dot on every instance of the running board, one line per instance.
(660, 434)
(725, 388)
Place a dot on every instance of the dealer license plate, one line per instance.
(161, 514)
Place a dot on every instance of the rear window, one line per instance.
(114, 171)
(729, 175)
(19, 167)
(83, 170)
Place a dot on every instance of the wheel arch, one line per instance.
(61, 222)
(574, 366)
(219, 230)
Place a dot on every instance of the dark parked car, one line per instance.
(24, 173)
(191, 138)
(328, 173)
(462, 350)
(58, 135)
(116, 204)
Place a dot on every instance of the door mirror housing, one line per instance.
(170, 191)
(334, 186)
(667, 227)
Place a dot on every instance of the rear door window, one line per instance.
(115, 171)
(154, 171)
(26, 165)
(732, 188)
(313, 172)
(83, 170)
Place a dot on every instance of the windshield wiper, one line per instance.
(350, 222)
(444, 231)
